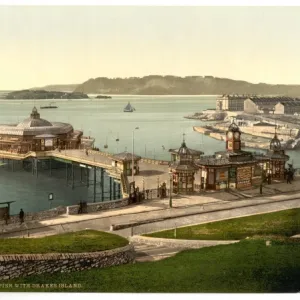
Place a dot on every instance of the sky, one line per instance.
(43, 45)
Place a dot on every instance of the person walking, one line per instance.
(21, 216)
(288, 178)
(6, 218)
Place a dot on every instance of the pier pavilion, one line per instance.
(276, 159)
(233, 168)
(183, 168)
(37, 134)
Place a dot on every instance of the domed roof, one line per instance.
(275, 144)
(184, 150)
(34, 121)
(233, 127)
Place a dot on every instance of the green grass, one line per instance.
(248, 266)
(283, 223)
(81, 241)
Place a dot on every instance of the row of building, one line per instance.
(259, 104)
(229, 169)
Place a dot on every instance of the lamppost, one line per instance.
(133, 153)
(157, 186)
(262, 178)
(170, 200)
(144, 185)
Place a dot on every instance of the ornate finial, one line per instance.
(34, 114)
(183, 137)
(275, 135)
(125, 149)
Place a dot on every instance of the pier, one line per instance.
(91, 163)
(56, 149)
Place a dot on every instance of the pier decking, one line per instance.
(152, 172)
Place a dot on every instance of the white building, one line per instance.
(231, 102)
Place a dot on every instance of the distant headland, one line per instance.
(173, 85)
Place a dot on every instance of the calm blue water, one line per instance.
(161, 126)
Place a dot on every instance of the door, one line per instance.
(210, 185)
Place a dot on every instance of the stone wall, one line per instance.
(21, 265)
(93, 207)
(38, 216)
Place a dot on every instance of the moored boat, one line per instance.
(48, 106)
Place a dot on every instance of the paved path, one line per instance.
(220, 213)
(160, 218)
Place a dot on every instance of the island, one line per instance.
(103, 97)
(42, 94)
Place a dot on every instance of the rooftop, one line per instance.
(34, 125)
(125, 156)
(274, 100)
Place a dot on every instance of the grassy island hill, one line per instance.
(42, 94)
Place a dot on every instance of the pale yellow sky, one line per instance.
(62, 45)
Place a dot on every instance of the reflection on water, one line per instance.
(31, 192)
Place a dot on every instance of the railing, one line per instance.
(125, 184)
(152, 194)
(155, 161)
(100, 153)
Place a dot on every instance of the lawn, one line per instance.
(283, 223)
(81, 241)
(248, 266)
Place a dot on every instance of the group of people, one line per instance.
(21, 216)
(163, 190)
(136, 196)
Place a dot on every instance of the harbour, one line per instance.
(105, 121)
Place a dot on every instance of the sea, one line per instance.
(156, 125)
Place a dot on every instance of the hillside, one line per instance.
(172, 85)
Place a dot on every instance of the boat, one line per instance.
(106, 146)
(129, 108)
(49, 106)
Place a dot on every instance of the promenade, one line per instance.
(152, 215)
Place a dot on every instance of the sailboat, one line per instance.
(129, 108)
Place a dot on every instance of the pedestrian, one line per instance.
(6, 218)
(80, 208)
(288, 178)
(21, 216)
